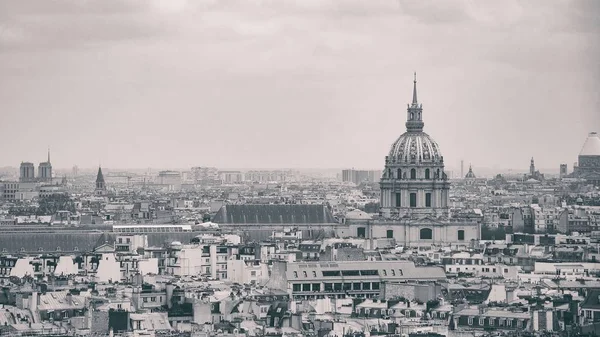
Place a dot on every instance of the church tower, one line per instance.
(414, 184)
(532, 167)
(100, 185)
(45, 170)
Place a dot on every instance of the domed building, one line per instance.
(588, 165)
(415, 192)
(414, 182)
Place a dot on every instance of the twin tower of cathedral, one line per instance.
(414, 183)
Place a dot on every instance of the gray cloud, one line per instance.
(296, 83)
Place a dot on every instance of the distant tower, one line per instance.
(470, 177)
(532, 167)
(75, 170)
(45, 170)
(462, 168)
(563, 170)
(27, 172)
(100, 184)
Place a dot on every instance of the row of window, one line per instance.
(58, 249)
(501, 322)
(328, 287)
(413, 200)
(336, 273)
(413, 174)
(424, 234)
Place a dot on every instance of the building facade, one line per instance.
(415, 193)
(588, 165)
(414, 182)
(27, 172)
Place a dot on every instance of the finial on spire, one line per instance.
(414, 101)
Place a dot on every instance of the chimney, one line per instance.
(33, 301)
(69, 298)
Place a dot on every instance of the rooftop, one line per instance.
(591, 147)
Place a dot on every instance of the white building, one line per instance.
(247, 271)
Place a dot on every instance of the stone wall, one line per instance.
(343, 254)
(412, 291)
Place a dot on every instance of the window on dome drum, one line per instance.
(427, 199)
(360, 232)
(427, 174)
(461, 234)
(390, 233)
(413, 174)
(426, 234)
(413, 200)
(399, 174)
(398, 200)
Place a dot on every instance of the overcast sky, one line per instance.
(295, 83)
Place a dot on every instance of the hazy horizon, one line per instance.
(314, 83)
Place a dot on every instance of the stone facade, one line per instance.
(414, 181)
(588, 166)
(415, 192)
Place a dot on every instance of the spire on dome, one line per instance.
(414, 101)
(414, 117)
(48, 154)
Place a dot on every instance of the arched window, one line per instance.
(390, 234)
(427, 175)
(413, 174)
(461, 235)
(399, 174)
(426, 234)
(438, 174)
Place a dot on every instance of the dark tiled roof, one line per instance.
(274, 214)
(100, 176)
(48, 242)
(592, 300)
(83, 241)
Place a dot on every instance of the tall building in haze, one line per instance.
(27, 172)
(45, 170)
(100, 184)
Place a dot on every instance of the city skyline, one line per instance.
(312, 85)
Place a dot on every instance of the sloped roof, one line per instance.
(591, 147)
(83, 240)
(49, 242)
(100, 176)
(592, 300)
(276, 214)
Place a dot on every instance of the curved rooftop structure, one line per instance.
(591, 147)
(415, 144)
